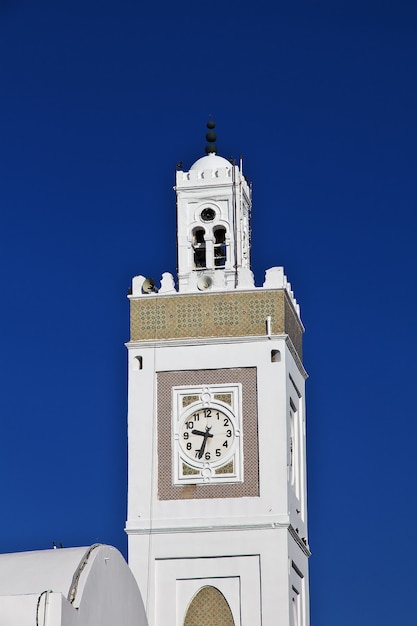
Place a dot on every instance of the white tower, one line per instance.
(217, 518)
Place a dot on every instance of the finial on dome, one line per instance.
(211, 137)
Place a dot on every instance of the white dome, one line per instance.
(210, 162)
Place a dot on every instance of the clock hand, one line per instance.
(198, 432)
(207, 434)
(203, 445)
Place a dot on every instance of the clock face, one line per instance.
(207, 436)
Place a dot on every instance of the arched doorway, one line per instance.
(209, 608)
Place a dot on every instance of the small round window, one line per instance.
(208, 215)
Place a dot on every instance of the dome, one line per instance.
(210, 162)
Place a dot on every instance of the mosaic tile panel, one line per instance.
(189, 471)
(187, 400)
(293, 328)
(165, 382)
(209, 608)
(236, 314)
(225, 469)
(226, 314)
(224, 397)
(151, 320)
(190, 316)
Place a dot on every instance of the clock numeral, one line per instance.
(196, 416)
(207, 412)
(218, 415)
(197, 452)
(207, 456)
(228, 433)
(186, 435)
(225, 445)
(218, 453)
(190, 425)
(189, 445)
(226, 422)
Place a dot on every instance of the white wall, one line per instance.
(180, 535)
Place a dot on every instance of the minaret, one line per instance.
(213, 209)
(217, 516)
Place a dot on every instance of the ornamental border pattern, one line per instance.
(165, 381)
(220, 314)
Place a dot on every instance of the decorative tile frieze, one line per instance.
(235, 314)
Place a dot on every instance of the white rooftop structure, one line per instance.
(69, 587)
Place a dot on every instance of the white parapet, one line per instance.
(275, 278)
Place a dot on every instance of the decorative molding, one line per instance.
(303, 546)
(206, 529)
(203, 341)
(167, 530)
(295, 356)
(207, 398)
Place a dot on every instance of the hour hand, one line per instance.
(198, 432)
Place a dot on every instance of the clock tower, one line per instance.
(217, 517)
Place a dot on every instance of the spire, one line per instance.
(211, 137)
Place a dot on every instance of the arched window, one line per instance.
(219, 246)
(207, 608)
(199, 247)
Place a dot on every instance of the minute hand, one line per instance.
(207, 434)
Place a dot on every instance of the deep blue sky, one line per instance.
(98, 102)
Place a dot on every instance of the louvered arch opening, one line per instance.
(209, 608)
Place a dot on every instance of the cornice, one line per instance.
(295, 356)
(303, 546)
(198, 341)
(172, 530)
